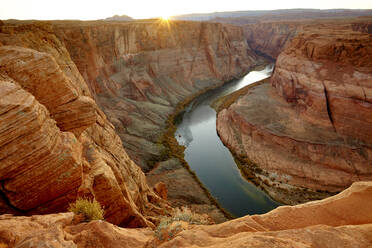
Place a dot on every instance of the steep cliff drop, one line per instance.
(309, 134)
(138, 72)
(57, 76)
(55, 142)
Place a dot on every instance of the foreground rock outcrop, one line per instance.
(55, 142)
(344, 220)
(309, 134)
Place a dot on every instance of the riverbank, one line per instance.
(271, 183)
(174, 165)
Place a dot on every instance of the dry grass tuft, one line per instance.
(91, 209)
(180, 220)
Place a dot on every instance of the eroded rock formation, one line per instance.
(343, 220)
(139, 72)
(310, 132)
(56, 78)
(270, 39)
(55, 142)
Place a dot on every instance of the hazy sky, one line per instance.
(99, 9)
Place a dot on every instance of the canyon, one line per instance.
(305, 133)
(139, 72)
(81, 86)
(56, 143)
(86, 108)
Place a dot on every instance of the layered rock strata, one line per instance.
(56, 144)
(309, 133)
(339, 221)
(139, 72)
(270, 37)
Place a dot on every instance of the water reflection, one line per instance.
(212, 161)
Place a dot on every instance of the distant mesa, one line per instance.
(120, 18)
(281, 14)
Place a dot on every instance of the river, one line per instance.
(212, 161)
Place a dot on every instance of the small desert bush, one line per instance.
(91, 209)
(170, 226)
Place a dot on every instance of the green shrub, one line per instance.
(91, 209)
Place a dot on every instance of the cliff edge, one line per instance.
(343, 220)
(55, 142)
(308, 134)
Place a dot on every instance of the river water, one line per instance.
(212, 161)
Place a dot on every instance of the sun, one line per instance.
(165, 18)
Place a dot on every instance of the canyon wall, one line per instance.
(308, 134)
(269, 39)
(340, 221)
(55, 142)
(59, 81)
(139, 72)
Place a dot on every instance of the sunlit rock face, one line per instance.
(55, 142)
(328, 76)
(309, 132)
(139, 72)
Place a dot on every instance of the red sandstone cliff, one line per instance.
(269, 37)
(55, 142)
(310, 132)
(139, 72)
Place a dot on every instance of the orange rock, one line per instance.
(312, 129)
(161, 189)
(139, 71)
(339, 221)
(271, 38)
(55, 141)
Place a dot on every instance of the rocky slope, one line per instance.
(339, 221)
(269, 37)
(55, 138)
(309, 133)
(139, 72)
(55, 142)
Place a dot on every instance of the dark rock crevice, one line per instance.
(5, 200)
(329, 111)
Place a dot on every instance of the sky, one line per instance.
(100, 9)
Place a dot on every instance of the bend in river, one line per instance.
(212, 161)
